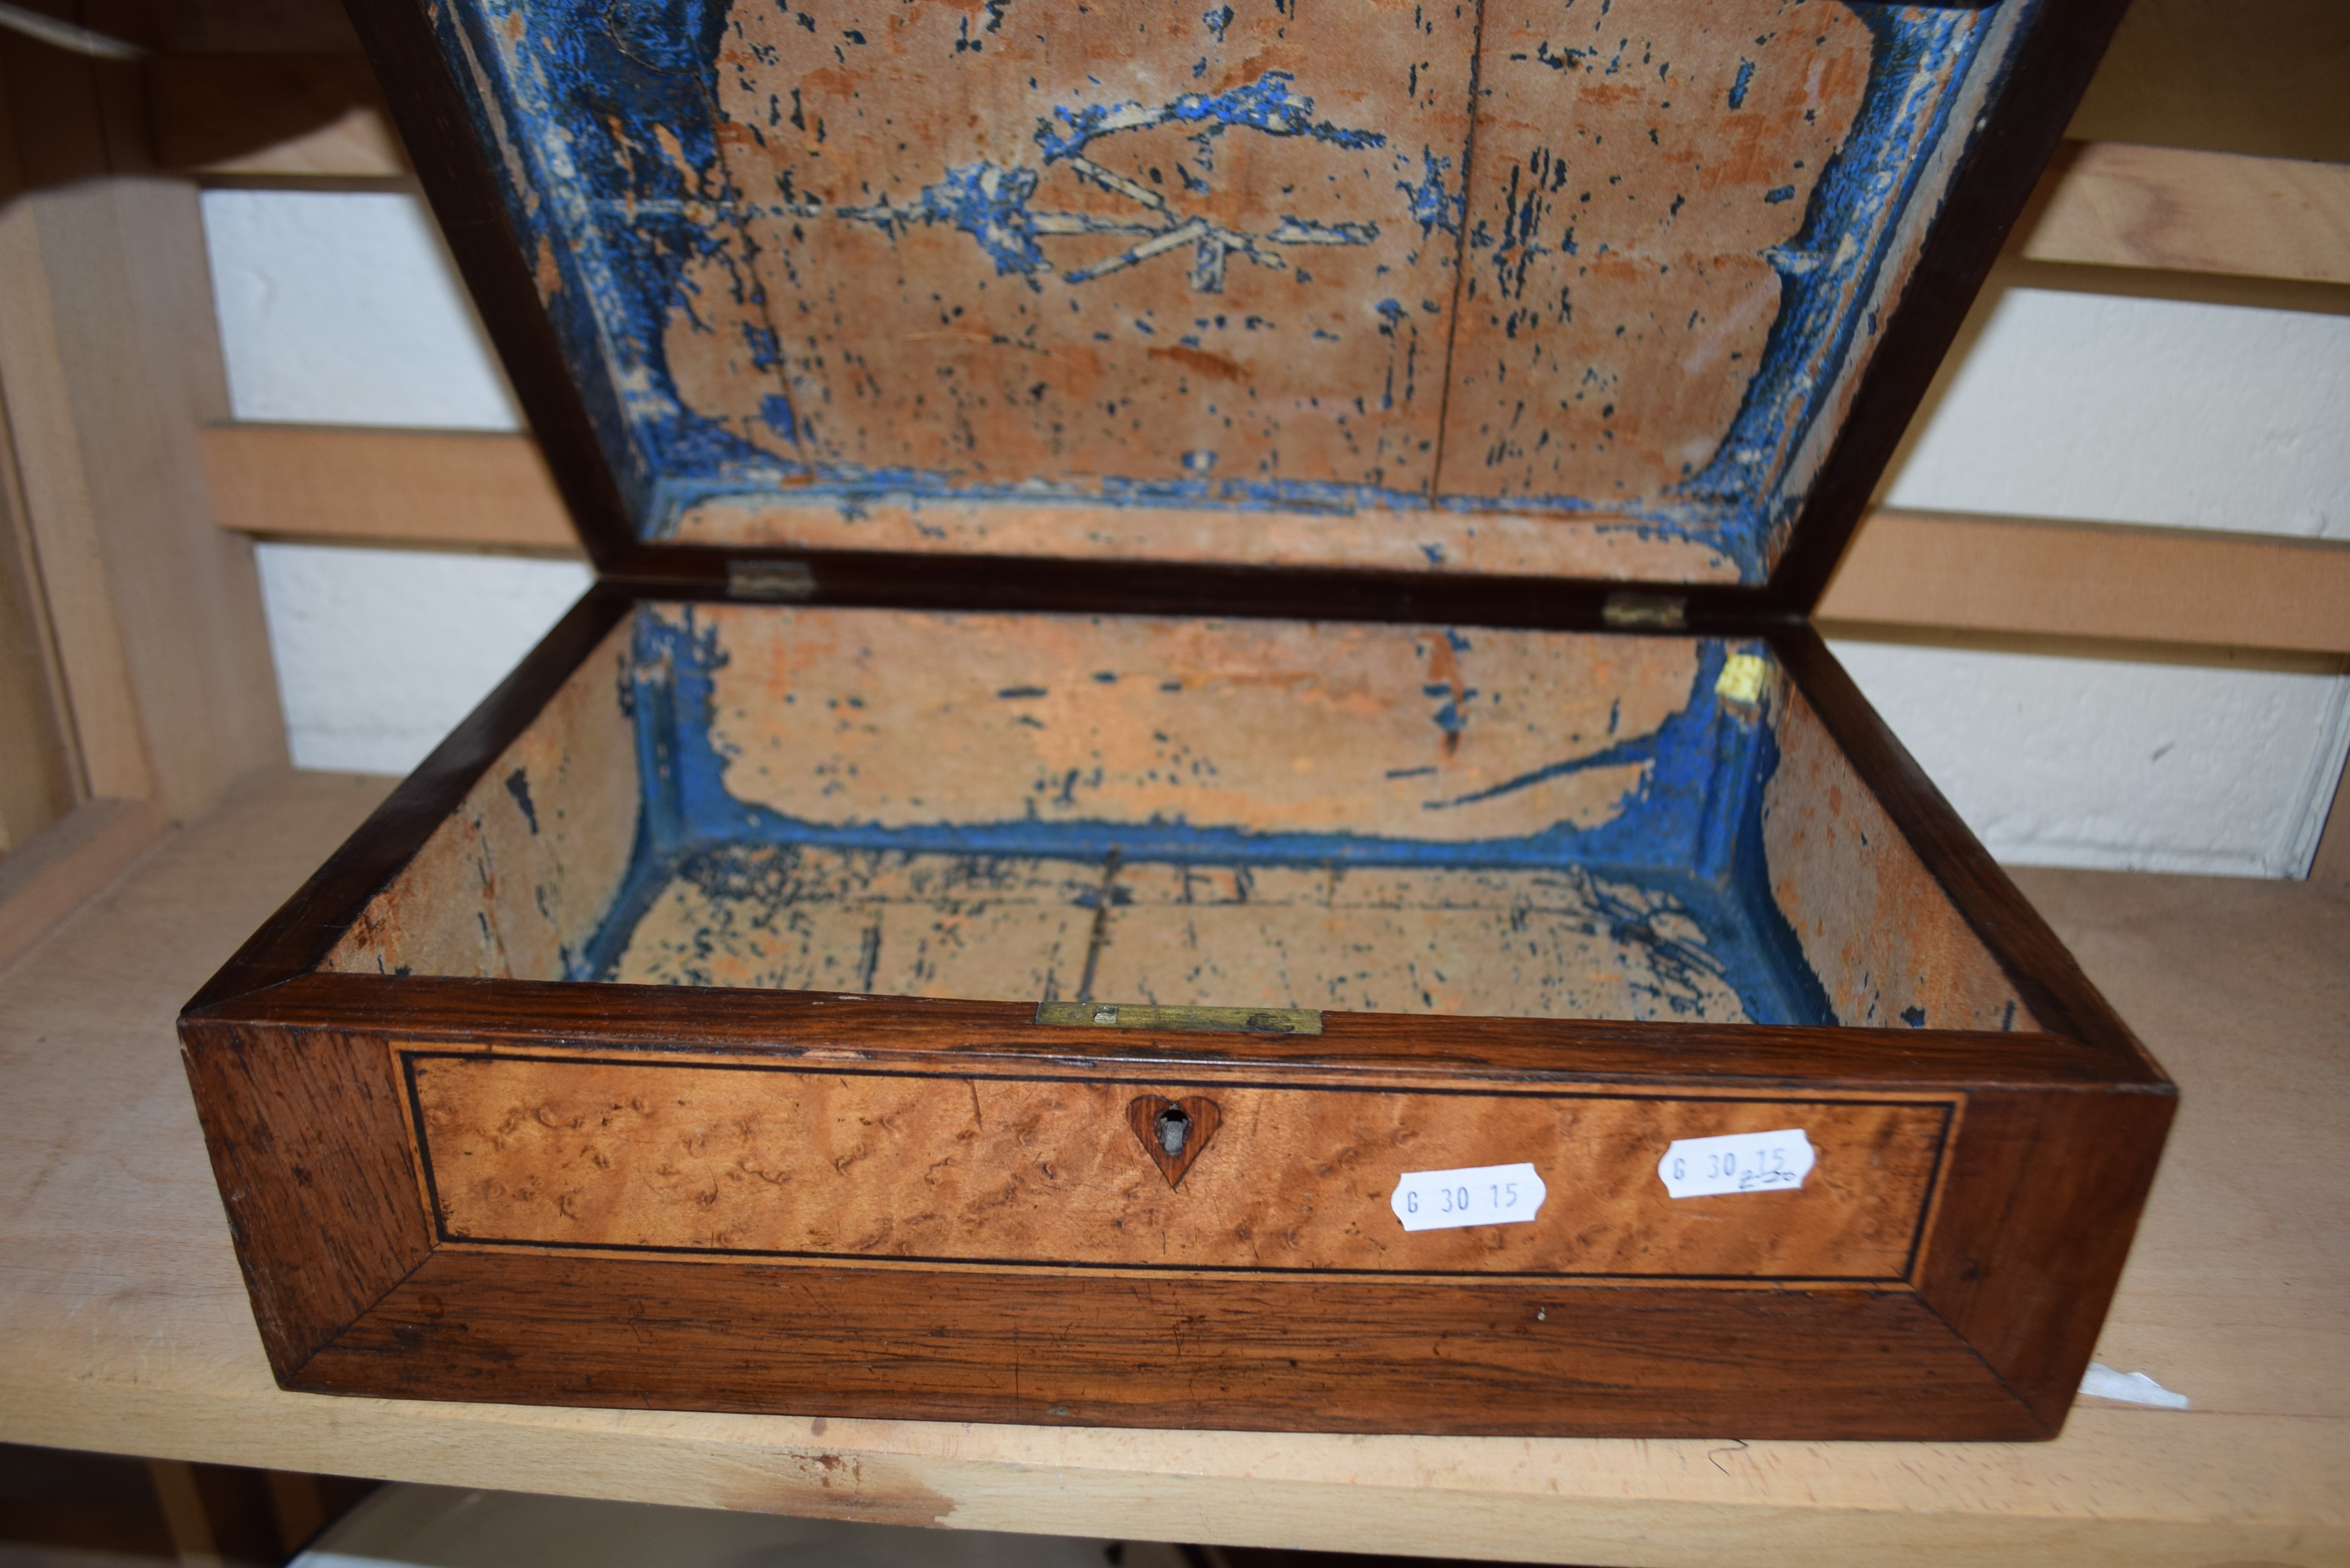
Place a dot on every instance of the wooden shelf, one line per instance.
(124, 1326)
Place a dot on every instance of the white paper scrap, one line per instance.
(2137, 1387)
(1478, 1195)
(1736, 1162)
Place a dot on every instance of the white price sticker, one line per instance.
(1480, 1195)
(1740, 1162)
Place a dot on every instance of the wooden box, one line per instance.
(1196, 793)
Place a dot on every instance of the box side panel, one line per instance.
(1274, 734)
(311, 1151)
(1888, 945)
(1237, 1355)
(516, 881)
(2045, 1191)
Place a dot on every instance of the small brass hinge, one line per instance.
(1645, 612)
(1149, 1015)
(772, 581)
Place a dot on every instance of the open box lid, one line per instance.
(1501, 307)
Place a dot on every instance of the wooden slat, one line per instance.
(110, 362)
(1975, 573)
(423, 487)
(2110, 203)
(280, 117)
(60, 517)
(2186, 73)
(2094, 580)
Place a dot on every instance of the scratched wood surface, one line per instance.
(1230, 176)
(520, 876)
(634, 1154)
(1559, 943)
(884, 923)
(1535, 288)
(1884, 939)
(1505, 544)
(1636, 167)
(898, 719)
(1554, 943)
(849, 720)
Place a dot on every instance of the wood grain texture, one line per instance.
(59, 519)
(47, 876)
(146, 1344)
(2020, 576)
(836, 716)
(311, 1155)
(182, 701)
(521, 1013)
(433, 487)
(2115, 205)
(298, 937)
(2044, 1198)
(1299, 1356)
(793, 1160)
(1622, 300)
(1887, 943)
(41, 779)
(2094, 580)
(538, 1327)
(1174, 1133)
(519, 874)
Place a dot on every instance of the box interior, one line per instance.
(1259, 813)
(1526, 287)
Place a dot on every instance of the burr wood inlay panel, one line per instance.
(833, 1162)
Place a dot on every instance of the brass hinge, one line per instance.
(771, 581)
(1150, 1016)
(1645, 612)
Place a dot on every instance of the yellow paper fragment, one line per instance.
(1742, 678)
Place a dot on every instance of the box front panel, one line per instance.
(844, 1164)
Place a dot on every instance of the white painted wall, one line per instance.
(2143, 767)
(2153, 411)
(380, 652)
(339, 309)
